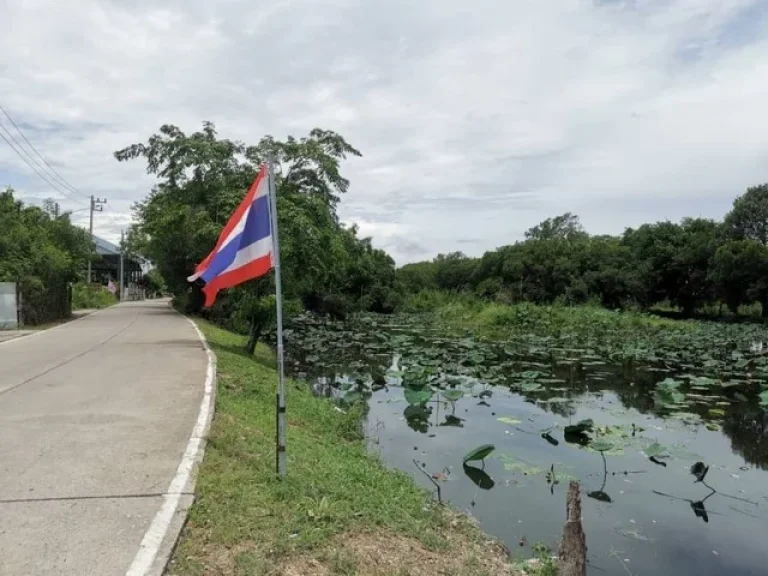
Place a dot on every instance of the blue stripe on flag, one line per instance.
(257, 227)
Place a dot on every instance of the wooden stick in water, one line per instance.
(573, 548)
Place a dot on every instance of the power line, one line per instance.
(95, 204)
(24, 155)
(51, 168)
(20, 153)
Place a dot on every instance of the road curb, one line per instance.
(162, 536)
(52, 328)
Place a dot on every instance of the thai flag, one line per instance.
(244, 248)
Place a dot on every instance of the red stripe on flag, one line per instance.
(249, 271)
(234, 219)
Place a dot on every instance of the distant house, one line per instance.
(107, 267)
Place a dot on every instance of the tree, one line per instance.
(566, 226)
(202, 178)
(153, 282)
(738, 268)
(42, 254)
(699, 244)
(310, 165)
(673, 261)
(749, 217)
(418, 277)
(454, 271)
(607, 272)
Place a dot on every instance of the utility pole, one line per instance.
(56, 211)
(96, 206)
(122, 265)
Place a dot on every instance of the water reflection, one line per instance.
(747, 428)
(480, 477)
(417, 417)
(699, 470)
(451, 420)
(600, 494)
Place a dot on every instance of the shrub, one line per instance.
(91, 296)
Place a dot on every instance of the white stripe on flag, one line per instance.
(252, 252)
(262, 190)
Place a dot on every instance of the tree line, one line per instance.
(329, 269)
(42, 253)
(693, 264)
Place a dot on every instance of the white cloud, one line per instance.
(476, 121)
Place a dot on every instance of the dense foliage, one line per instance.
(201, 179)
(85, 296)
(691, 265)
(41, 253)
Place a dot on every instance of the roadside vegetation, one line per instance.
(697, 266)
(339, 511)
(42, 254)
(201, 179)
(93, 296)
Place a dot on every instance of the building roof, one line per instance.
(105, 248)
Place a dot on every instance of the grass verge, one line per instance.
(91, 296)
(340, 511)
(496, 320)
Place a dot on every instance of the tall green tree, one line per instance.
(738, 270)
(454, 271)
(673, 261)
(564, 227)
(749, 217)
(418, 277)
(201, 178)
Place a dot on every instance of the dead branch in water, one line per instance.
(427, 474)
(573, 548)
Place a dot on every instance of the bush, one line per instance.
(489, 288)
(432, 300)
(91, 296)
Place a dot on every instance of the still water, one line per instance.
(644, 511)
(658, 521)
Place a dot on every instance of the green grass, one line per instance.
(93, 296)
(496, 320)
(334, 486)
(609, 334)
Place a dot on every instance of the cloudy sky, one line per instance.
(476, 119)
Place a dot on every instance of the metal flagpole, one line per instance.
(281, 432)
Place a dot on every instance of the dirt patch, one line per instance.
(219, 561)
(462, 551)
(380, 553)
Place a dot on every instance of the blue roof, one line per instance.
(105, 248)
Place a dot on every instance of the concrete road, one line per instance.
(95, 416)
(6, 335)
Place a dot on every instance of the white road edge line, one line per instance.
(52, 328)
(158, 529)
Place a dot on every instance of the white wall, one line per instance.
(8, 308)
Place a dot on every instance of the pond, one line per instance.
(669, 444)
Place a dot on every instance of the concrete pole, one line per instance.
(90, 231)
(122, 264)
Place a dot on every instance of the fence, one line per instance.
(41, 304)
(133, 292)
